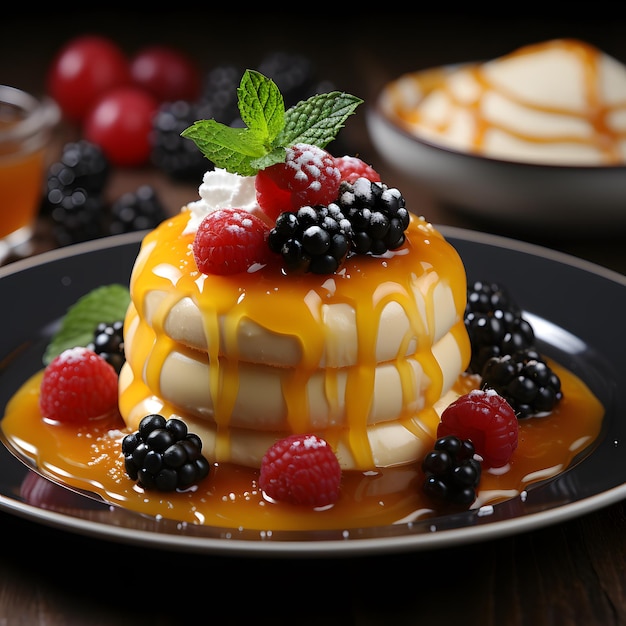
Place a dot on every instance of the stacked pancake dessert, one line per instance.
(358, 342)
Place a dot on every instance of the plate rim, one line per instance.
(350, 545)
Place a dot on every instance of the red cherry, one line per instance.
(83, 70)
(167, 73)
(121, 124)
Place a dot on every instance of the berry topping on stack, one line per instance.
(163, 455)
(525, 380)
(378, 215)
(322, 208)
(495, 324)
(229, 241)
(313, 239)
(308, 175)
(301, 469)
(452, 472)
(352, 167)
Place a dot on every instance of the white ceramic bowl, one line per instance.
(570, 198)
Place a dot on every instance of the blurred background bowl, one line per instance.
(526, 196)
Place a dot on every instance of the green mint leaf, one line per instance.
(269, 128)
(277, 155)
(318, 120)
(261, 105)
(227, 148)
(104, 304)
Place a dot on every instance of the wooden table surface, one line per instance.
(572, 572)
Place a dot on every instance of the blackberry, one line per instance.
(138, 210)
(220, 93)
(108, 342)
(377, 214)
(294, 75)
(76, 215)
(314, 239)
(163, 455)
(525, 380)
(298, 79)
(82, 165)
(495, 324)
(452, 472)
(487, 297)
(178, 156)
(73, 193)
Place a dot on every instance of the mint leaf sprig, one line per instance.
(270, 129)
(107, 303)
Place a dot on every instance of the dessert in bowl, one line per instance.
(299, 354)
(533, 138)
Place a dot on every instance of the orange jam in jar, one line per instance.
(25, 128)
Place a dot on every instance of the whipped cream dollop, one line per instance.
(221, 190)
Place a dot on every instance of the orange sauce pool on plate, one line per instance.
(89, 458)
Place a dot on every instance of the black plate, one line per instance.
(576, 309)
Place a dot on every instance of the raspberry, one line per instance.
(487, 420)
(301, 469)
(78, 385)
(351, 168)
(229, 241)
(309, 176)
(270, 197)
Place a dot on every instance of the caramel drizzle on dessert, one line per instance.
(229, 498)
(293, 306)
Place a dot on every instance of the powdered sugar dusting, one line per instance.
(73, 355)
(363, 188)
